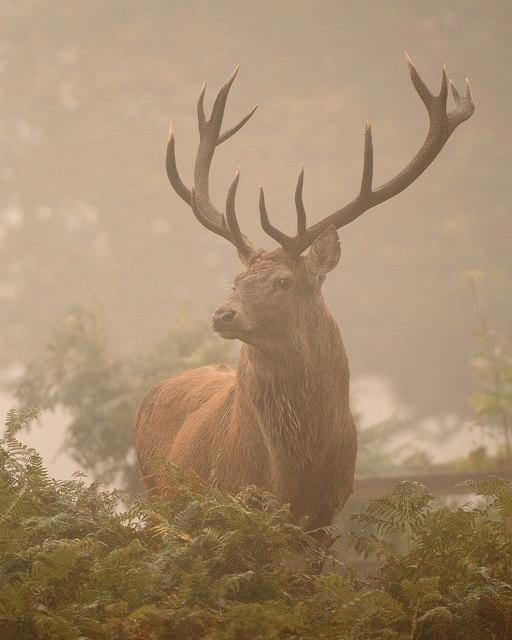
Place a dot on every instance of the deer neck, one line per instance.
(292, 394)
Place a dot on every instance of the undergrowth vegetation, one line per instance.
(80, 562)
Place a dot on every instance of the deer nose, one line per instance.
(221, 318)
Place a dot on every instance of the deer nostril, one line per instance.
(222, 317)
(228, 315)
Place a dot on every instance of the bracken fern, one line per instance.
(81, 562)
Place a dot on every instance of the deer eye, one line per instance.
(283, 282)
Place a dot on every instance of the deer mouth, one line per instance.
(225, 329)
(235, 329)
(227, 333)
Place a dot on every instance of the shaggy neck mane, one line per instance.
(289, 391)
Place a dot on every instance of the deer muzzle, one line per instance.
(223, 318)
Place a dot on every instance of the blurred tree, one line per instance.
(492, 366)
(101, 390)
(492, 402)
(381, 450)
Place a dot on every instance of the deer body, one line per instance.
(282, 420)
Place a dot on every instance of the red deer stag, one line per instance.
(282, 420)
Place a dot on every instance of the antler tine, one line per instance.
(421, 88)
(302, 240)
(237, 236)
(455, 93)
(201, 117)
(217, 115)
(198, 196)
(299, 205)
(284, 240)
(442, 125)
(367, 179)
(227, 134)
(464, 106)
(290, 243)
(172, 169)
(209, 139)
(219, 104)
(443, 93)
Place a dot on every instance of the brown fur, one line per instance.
(282, 420)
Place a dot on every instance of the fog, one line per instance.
(86, 212)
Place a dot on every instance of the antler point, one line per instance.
(232, 77)
(455, 93)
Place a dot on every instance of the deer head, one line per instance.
(279, 290)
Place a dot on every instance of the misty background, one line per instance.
(87, 215)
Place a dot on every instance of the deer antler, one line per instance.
(198, 196)
(442, 125)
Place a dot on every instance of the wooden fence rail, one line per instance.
(439, 483)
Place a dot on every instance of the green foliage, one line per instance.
(492, 402)
(455, 577)
(400, 513)
(78, 562)
(101, 391)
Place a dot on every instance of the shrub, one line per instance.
(81, 373)
(79, 562)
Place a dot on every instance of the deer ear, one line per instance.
(324, 253)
